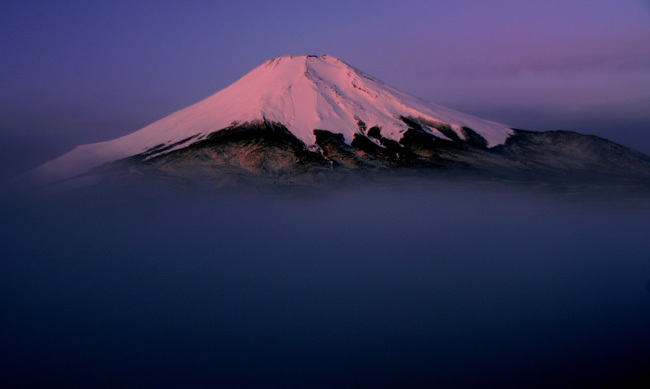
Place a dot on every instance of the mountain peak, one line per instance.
(309, 92)
(300, 58)
(304, 93)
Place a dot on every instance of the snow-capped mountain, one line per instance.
(303, 93)
(316, 114)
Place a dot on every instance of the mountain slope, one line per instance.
(265, 152)
(303, 93)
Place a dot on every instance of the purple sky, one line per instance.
(79, 72)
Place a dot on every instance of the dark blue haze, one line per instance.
(444, 284)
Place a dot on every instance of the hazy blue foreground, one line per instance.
(442, 283)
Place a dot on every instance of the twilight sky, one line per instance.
(80, 72)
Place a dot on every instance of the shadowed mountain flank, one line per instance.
(268, 151)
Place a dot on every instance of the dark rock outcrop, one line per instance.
(270, 151)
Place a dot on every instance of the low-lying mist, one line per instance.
(419, 283)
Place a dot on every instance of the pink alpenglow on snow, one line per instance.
(303, 93)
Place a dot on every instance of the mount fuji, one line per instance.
(309, 116)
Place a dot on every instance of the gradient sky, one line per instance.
(80, 72)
